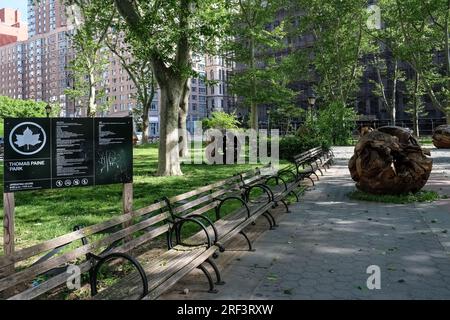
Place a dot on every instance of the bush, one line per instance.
(337, 123)
(221, 120)
(291, 146)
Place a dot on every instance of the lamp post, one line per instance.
(78, 108)
(48, 110)
(311, 103)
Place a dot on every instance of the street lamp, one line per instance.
(311, 103)
(48, 110)
(312, 100)
(78, 108)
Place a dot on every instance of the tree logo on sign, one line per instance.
(27, 138)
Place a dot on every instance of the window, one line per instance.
(153, 129)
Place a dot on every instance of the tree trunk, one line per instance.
(447, 58)
(394, 94)
(145, 122)
(91, 107)
(182, 119)
(416, 106)
(253, 106)
(168, 157)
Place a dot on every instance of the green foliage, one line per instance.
(221, 120)
(421, 196)
(283, 116)
(336, 123)
(292, 145)
(414, 31)
(338, 43)
(262, 79)
(92, 19)
(21, 108)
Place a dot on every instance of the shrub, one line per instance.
(222, 121)
(336, 122)
(291, 146)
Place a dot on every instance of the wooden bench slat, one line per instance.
(29, 252)
(34, 270)
(200, 190)
(131, 285)
(84, 267)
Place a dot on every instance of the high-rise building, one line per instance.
(11, 28)
(45, 16)
(38, 69)
(217, 71)
(12, 64)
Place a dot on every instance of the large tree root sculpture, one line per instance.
(441, 137)
(390, 161)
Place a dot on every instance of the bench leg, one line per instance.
(250, 246)
(271, 226)
(212, 288)
(213, 265)
(285, 205)
(313, 183)
(295, 195)
(316, 176)
(273, 219)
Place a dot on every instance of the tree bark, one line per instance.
(253, 106)
(182, 119)
(416, 105)
(394, 94)
(390, 161)
(168, 155)
(92, 92)
(145, 122)
(441, 137)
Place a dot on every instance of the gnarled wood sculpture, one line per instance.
(441, 137)
(365, 130)
(390, 161)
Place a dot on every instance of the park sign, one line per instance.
(56, 153)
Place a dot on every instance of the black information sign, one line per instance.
(53, 153)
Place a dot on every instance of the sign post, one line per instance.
(57, 153)
(8, 228)
(127, 203)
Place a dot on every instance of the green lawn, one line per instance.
(42, 215)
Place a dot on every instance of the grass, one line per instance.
(421, 196)
(45, 214)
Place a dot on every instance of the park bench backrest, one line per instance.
(151, 221)
(308, 155)
(206, 198)
(151, 218)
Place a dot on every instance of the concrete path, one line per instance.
(323, 248)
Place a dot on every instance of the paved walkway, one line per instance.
(322, 249)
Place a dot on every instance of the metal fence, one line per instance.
(426, 126)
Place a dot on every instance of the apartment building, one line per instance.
(38, 68)
(12, 29)
(13, 61)
(218, 70)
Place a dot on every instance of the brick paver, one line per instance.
(322, 249)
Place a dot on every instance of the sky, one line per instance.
(16, 4)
